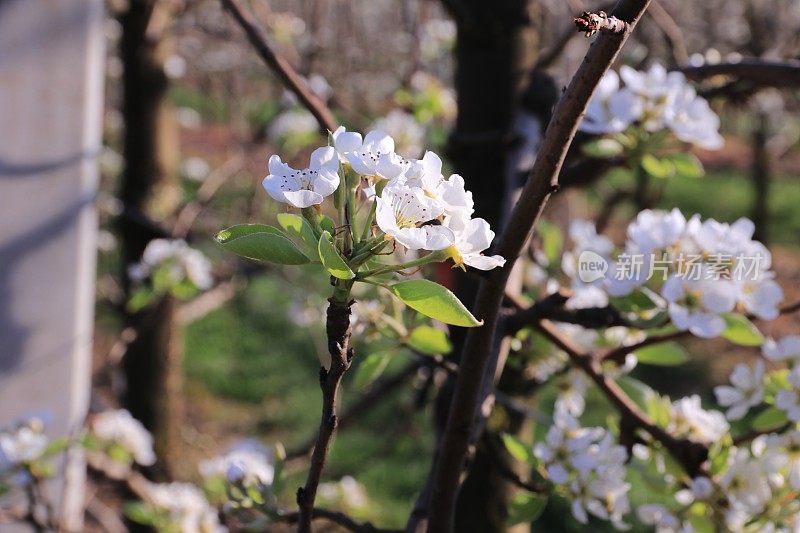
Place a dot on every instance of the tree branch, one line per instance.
(552, 308)
(690, 454)
(337, 518)
(542, 182)
(339, 331)
(281, 67)
(760, 72)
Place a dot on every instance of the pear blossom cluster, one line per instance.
(655, 100)
(590, 468)
(119, 429)
(177, 260)
(688, 419)
(20, 445)
(182, 507)
(248, 464)
(702, 269)
(755, 490)
(748, 383)
(415, 206)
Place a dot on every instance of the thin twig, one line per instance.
(338, 330)
(337, 518)
(542, 182)
(760, 72)
(281, 67)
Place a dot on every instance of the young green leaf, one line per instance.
(552, 240)
(686, 165)
(434, 301)
(262, 243)
(331, 260)
(663, 354)
(371, 368)
(518, 449)
(635, 302)
(299, 228)
(658, 168)
(740, 330)
(429, 341)
(602, 148)
(526, 508)
(769, 419)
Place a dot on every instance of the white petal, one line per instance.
(303, 198)
(484, 262)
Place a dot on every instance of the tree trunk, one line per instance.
(495, 52)
(152, 363)
(761, 179)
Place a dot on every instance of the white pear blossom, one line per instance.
(247, 463)
(760, 296)
(182, 263)
(471, 239)
(784, 349)
(185, 507)
(375, 156)
(21, 444)
(601, 113)
(745, 483)
(402, 213)
(700, 489)
(306, 187)
(696, 305)
(693, 121)
(688, 419)
(119, 428)
(572, 393)
(408, 134)
(656, 230)
(292, 124)
(788, 400)
(450, 193)
(747, 390)
(655, 514)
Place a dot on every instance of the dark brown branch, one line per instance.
(759, 72)
(339, 519)
(338, 331)
(747, 437)
(542, 182)
(281, 67)
(671, 30)
(618, 354)
(552, 308)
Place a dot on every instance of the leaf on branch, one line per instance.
(602, 148)
(658, 168)
(434, 301)
(262, 243)
(518, 449)
(331, 259)
(371, 368)
(299, 228)
(664, 354)
(526, 508)
(686, 165)
(769, 419)
(739, 330)
(429, 341)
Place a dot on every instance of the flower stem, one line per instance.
(434, 257)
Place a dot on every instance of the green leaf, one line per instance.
(371, 368)
(552, 240)
(686, 165)
(526, 508)
(769, 419)
(602, 148)
(740, 330)
(327, 223)
(518, 449)
(663, 354)
(140, 513)
(658, 168)
(434, 301)
(299, 228)
(331, 260)
(429, 340)
(641, 394)
(262, 243)
(635, 302)
(141, 298)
